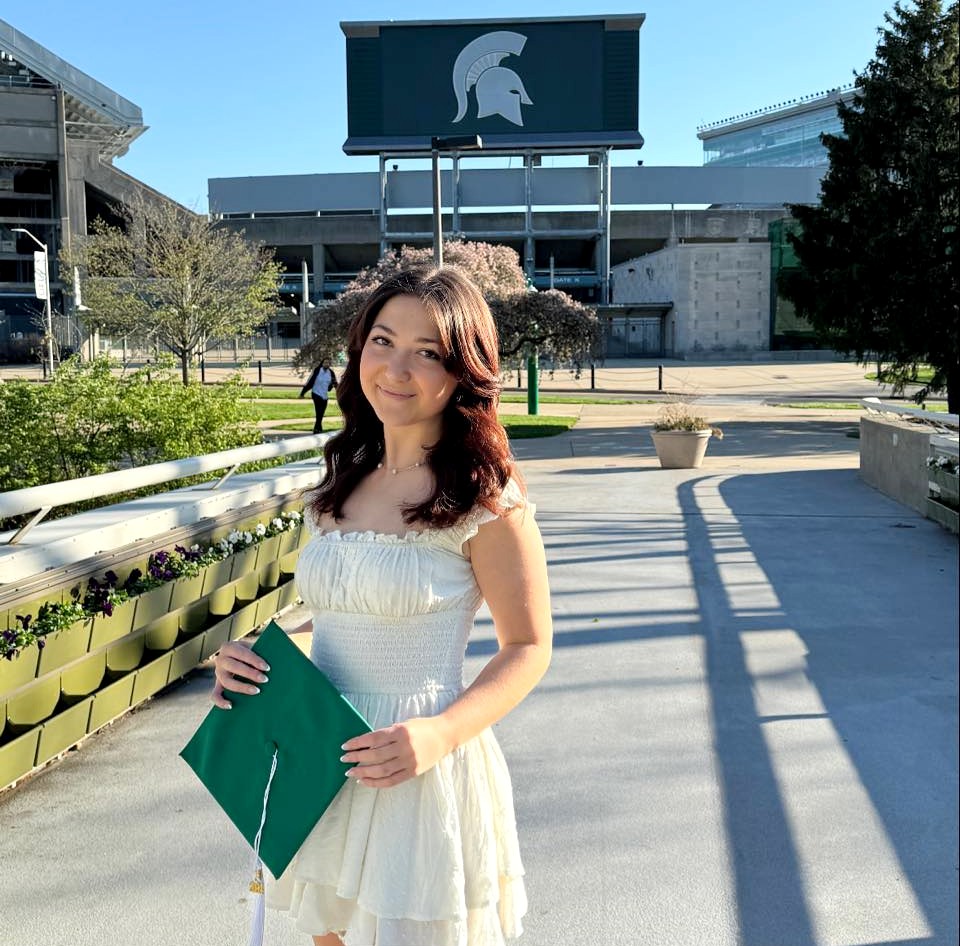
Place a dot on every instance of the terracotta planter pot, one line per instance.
(681, 449)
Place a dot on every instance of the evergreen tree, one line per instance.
(878, 256)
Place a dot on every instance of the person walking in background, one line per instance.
(321, 382)
(420, 517)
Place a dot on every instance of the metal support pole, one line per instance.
(203, 370)
(260, 372)
(659, 377)
(593, 377)
(437, 221)
(533, 383)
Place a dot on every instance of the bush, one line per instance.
(90, 420)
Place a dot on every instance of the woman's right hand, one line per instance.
(234, 665)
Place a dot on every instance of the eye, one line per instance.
(379, 340)
(431, 354)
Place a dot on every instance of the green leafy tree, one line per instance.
(174, 277)
(878, 256)
(559, 326)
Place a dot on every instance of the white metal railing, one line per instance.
(41, 499)
(937, 418)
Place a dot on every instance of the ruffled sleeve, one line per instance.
(461, 532)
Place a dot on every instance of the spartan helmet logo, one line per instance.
(499, 91)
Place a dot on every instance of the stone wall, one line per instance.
(893, 459)
(720, 294)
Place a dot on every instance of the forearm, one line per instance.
(502, 684)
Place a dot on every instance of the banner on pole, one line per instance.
(40, 283)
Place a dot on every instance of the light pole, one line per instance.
(46, 289)
(451, 143)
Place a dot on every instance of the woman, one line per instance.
(321, 382)
(419, 518)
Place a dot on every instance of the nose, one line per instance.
(398, 364)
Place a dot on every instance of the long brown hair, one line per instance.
(471, 461)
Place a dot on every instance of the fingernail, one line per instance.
(266, 668)
(256, 689)
(343, 758)
(264, 678)
(344, 746)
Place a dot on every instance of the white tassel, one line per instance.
(257, 905)
(257, 909)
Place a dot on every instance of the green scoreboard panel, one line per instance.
(560, 82)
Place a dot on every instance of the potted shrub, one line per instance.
(680, 437)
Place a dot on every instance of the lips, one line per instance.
(398, 395)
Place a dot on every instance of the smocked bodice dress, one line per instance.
(433, 861)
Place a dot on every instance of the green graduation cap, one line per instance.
(272, 762)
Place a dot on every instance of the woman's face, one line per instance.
(402, 372)
(325, 363)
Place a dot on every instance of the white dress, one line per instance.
(433, 861)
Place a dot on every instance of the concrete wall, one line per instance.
(893, 457)
(720, 294)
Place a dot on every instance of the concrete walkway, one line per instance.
(747, 735)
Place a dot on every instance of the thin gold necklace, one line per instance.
(402, 469)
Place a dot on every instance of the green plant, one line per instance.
(103, 595)
(677, 416)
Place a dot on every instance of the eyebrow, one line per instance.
(390, 331)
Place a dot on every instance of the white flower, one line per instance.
(233, 538)
(260, 529)
(277, 524)
(195, 547)
(247, 538)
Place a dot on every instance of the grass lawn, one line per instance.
(509, 397)
(517, 426)
(938, 406)
(924, 375)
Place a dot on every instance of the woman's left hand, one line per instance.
(390, 756)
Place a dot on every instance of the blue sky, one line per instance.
(249, 88)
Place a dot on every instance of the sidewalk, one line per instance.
(747, 736)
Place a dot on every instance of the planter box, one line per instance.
(944, 486)
(193, 619)
(288, 562)
(18, 757)
(269, 550)
(64, 730)
(19, 671)
(267, 606)
(289, 541)
(216, 576)
(34, 704)
(244, 562)
(184, 658)
(151, 678)
(186, 591)
(162, 634)
(215, 637)
(270, 575)
(944, 515)
(222, 600)
(64, 646)
(152, 604)
(244, 621)
(83, 678)
(126, 656)
(107, 629)
(247, 587)
(288, 594)
(110, 702)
